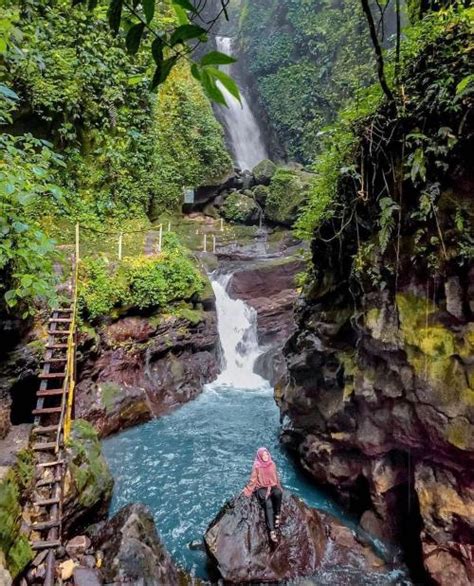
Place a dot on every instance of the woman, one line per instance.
(265, 482)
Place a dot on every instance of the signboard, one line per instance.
(188, 195)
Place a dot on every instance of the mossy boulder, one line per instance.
(260, 194)
(88, 483)
(264, 171)
(288, 192)
(240, 208)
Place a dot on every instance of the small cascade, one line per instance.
(237, 325)
(246, 139)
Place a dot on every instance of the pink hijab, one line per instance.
(267, 474)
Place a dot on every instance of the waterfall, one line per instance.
(246, 139)
(237, 326)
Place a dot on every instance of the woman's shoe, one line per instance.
(277, 521)
(273, 536)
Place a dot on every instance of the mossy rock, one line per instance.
(240, 208)
(89, 483)
(13, 544)
(264, 171)
(260, 194)
(432, 351)
(288, 193)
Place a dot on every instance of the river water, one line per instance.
(185, 465)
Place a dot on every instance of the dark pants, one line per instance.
(271, 505)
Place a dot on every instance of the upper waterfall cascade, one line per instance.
(246, 138)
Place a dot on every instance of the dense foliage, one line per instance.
(116, 150)
(395, 181)
(138, 282)
(308, 57)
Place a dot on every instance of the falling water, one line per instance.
(237, 325)
(245, 136)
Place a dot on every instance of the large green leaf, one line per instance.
(157, 50)
(162, 71)
(210, 87)
(186, 4)
(134, 36)
(186, 32)
(217, 58)
(225, 80)
(149, 9)
(114, 14)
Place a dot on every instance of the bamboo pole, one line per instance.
(222, 224)
(213, 244)
(160, 238)
(169, 226)
(120, 246)
(204, 242)
(77, 242)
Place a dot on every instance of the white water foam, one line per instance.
(237, 326)
(246, 138)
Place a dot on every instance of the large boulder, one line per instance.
(141, 367)
(264, 171)
(133, 552)
(240, 208)
(88, 482)
(237, 543)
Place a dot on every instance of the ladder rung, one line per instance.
(43, 446)
(47, 481)
(46, 502)
(62, 309)
(60, 320)
(49, 392)
(46, 410)
(45, 544)
(59, 332)
(49, 464)
(44, 428)
(55, 346)
(45, 375)
(42, 525)
(53, 360)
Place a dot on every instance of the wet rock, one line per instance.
(237, 543)
(133, 552)
(240, 208)
(143, 367)
(86, 577)
(78, 545)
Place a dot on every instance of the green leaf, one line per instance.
(217, 58)
(157, 50)
(20, 227)
(162, 71)
(8, 93)
(211, 89)
(181, 15)
(149, 9)
(10, 298)
(195, 71)
(226, 81)
(114, 14)
(464, 84)
(186, 32)
(186, 4)
(134, 36)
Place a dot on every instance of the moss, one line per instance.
(13, 544)
(460, 433)
(240, 208)
(108, 394)
(89, 471)
(432, 350)
(288, 192)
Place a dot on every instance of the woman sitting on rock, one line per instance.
(265, 482)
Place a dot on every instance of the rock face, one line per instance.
(269, 287)
(138, 367)
(310, 541)
(133, 552)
